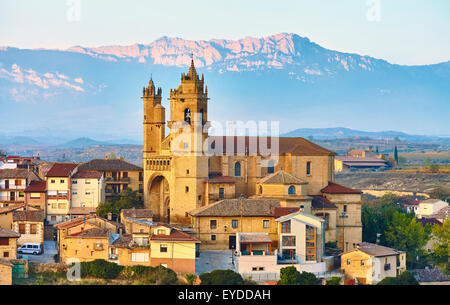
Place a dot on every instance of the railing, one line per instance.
(256, 252)
(115, 179)
(13, 187)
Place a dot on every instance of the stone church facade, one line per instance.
(188, 169)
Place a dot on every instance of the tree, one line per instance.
(129, 200)
(307, 278)
(405, 278)
(405, 233)
(190, 278)
(291, 276)
(441, 248)
(396, 155)
(335, 280)
(221, 277)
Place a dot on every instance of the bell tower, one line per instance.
(154, 120)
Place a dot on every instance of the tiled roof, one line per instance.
(359, 159)
(29, 215)
(92, 233)
(320, 202)
(294, 146)
(37, 186)
(137, 213)
(123, 241)
(238, 207)
(109, 165)
(432, 201)
(79, 220)
(61, 170)
(334, 188)
(88, 174)
(175, 235)
(282, 177)
(430, 275)
(17, 173)
(8, 233)
(12, 208)
(376, 250)
(255, 238)
(282, 211)
(82, 211)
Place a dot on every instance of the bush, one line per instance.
(221, 277)
(162, 276)
(190, 278)
(100, 268)
(290, 276)
(405, 278)
(335, 280)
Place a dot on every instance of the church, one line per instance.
(188, 170)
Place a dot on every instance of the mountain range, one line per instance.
(95, 92)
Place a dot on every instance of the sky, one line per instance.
(411, 32)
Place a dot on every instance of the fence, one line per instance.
(266, 277)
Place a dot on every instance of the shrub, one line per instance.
(100, 268)
(290, 276)
(190, 278)
(335, 280)
(162, 276)
(405, 278)
(221, 277)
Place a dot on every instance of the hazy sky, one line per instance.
(404, 31)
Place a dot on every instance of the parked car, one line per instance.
(30, 248)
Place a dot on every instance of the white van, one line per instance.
(30, 248)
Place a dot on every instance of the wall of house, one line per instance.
(58, 207)
(28, 237)
(10, 249)
(203, 231)
(5, 275)
(125, 256)
(212, 189)
(378, 268)
(6, 220)
(180, 256)
(331, 232)
(353, 269)
(427, 209)
(87, 192)
(37, 199)
(83, 249)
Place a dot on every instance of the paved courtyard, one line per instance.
(47, 256)
(213, 260)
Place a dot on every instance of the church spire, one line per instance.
(192, 72)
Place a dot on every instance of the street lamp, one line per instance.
(343, 215)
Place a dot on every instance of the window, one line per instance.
(362, 263)
(161, 232)
(22, 228)
(61, 181)
(213, 237)
(266, 223)
(35, 195)
(291, 190)
(348, 262)
(187, 189)
(213, 224)
(21, 195)
(4, 241)
(235, 223)
(139, 257)
(18, 182)
(288, 254)
(187, 115)
(288, 241)
(187, 172)
(286, 227)
(87, 182)
(260, 268)
(125, 174)
(74, 182)
(345, 208)
(5, 254)
(260, 189)
(237, 169)
(52, 181)
(308, 168)
(74, 193)
(221, 193)
(271, 168)
(310, 243)
(254, 268)
(33, 229)
(163, 248)
(87, 193)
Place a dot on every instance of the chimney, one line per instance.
(109, 216)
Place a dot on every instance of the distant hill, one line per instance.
(83, 142)
(17, 140)
(341, 132)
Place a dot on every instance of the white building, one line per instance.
(430, 206)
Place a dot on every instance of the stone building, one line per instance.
(188, 169)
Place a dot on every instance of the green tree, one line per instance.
(221, 277)
(405, 278)
(441, 248)
(190, 278)
(291, 276)
(307, 278)
(129, 200)
(335, 280)
(396, 155)
(405, 233)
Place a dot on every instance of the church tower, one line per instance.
(154, 120)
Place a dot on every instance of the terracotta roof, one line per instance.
(88, 174)
(175, 235)
(294, 146)
(61, 170)
(36, 216)
(92, 233)
(6, 262)
(432, 201)
(221, 179)
(376, 250)
(17, 173)
(238, 207)
(137, 213)
(8, 233)
(430, 275)
(358, 159)
(123, 241)
(109, 165)
(282, 177)
(79, 220)
(320, 202)
(424, 221)
(12, 208)
(333, 188)
(282, 211)
(254, 238)
(82, 211)
(36, 186)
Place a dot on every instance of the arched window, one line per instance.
(271, 168)
(237, 169)
(291, 190)
(201, 116)
(187, 115)
(260, 189)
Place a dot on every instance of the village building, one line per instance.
(87, 191)
(344, 163)
(371, 263)
(6, 268)
(188, 171)
(58, 180)
(36, 195)
(13, 183)
(8, 244)
(131, 218)
(30, 225)
(118, 175)
(430, 206)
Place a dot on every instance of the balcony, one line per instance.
(117, 180)
(113, 257)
